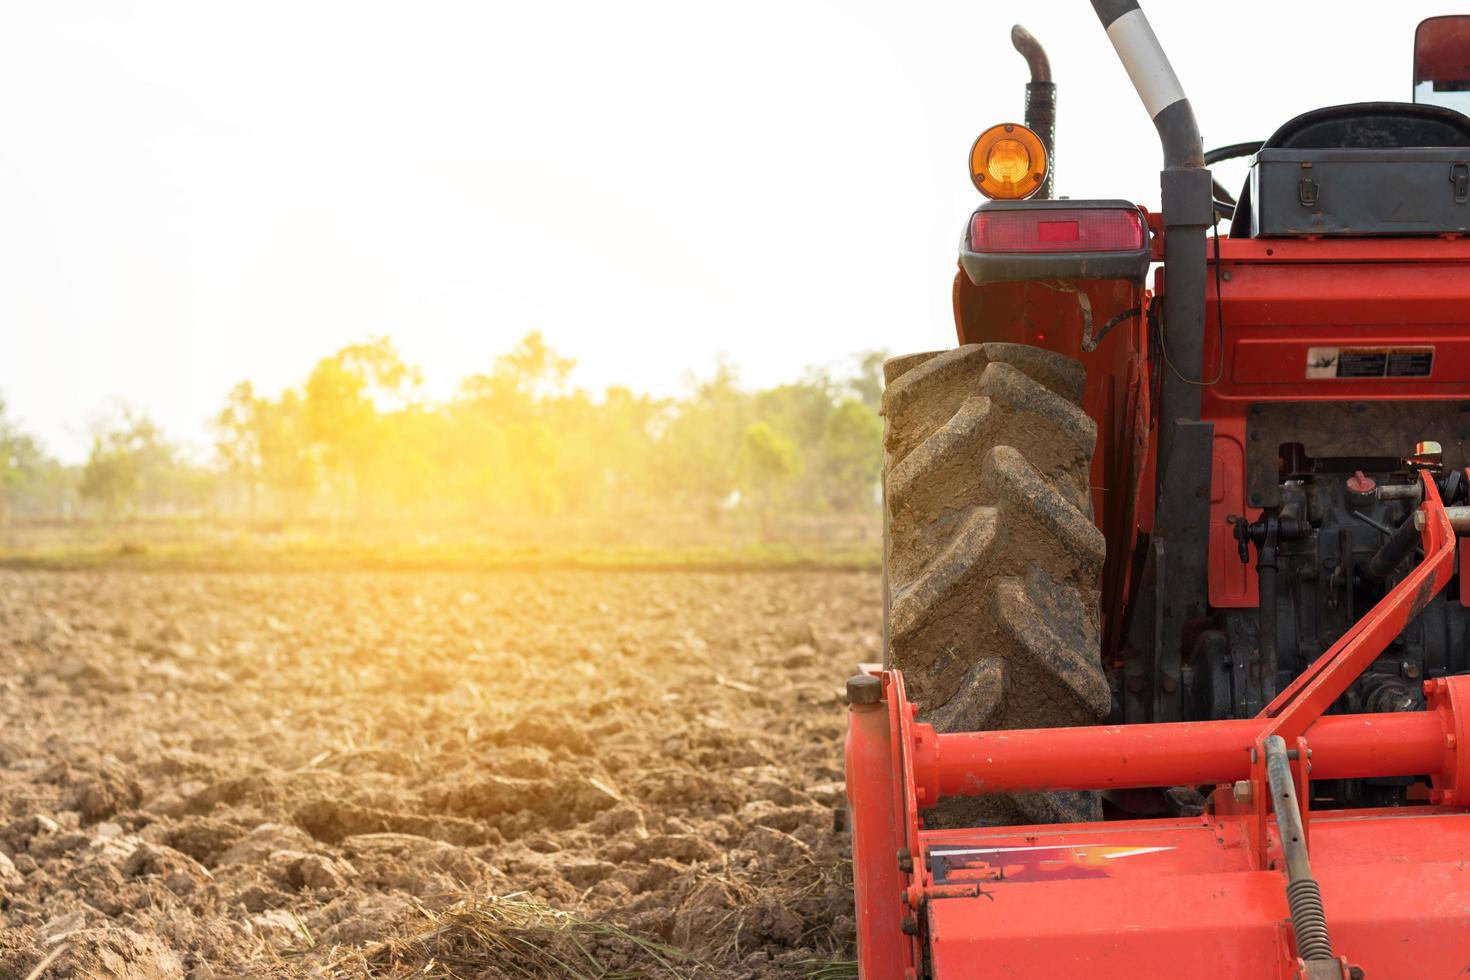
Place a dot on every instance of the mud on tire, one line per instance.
(991, 559)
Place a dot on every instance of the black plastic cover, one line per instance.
(983, 267)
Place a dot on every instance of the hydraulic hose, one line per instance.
(1393, 551)
(1266, 585)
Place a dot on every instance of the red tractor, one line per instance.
(1177, 639)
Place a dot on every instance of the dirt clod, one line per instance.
(369, 774)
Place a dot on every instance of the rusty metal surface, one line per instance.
(1386, 429)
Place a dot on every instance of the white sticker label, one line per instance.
(1351, 363)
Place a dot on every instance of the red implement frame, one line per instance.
(907, 900)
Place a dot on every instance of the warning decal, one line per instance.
(1370, 362)
(963, 865)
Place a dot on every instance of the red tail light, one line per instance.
(1054, 229)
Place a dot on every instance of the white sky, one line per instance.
(194, 193)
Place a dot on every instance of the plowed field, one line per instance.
(425, 774)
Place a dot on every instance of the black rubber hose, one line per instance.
(1266, 624)
(1393, 551)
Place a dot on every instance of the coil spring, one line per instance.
(1308, 919)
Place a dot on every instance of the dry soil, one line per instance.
(406, 774)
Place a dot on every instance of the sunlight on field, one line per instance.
(517, 466)
(436, 774)
(526, 682)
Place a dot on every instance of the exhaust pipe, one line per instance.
(1041, 100)
(1185, 444)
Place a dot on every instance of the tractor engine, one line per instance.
(1343, 536)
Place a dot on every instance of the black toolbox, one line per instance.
(1401, 191)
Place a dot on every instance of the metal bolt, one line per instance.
(1411, 669)
(1242, 791)
(1170, 683)
(1420, 520)
(910, 926)
(1449, 741)
(1135, 684)
(905, 860)
(864, 689)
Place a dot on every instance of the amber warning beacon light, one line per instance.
(1008, 162)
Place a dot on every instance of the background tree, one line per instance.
(853, 455)
(696, 464)
(237, 429)
(110, 479)
(867, 382)
(768, 462)
(344, 397)
(132, 467)
(516, 441)
(21, 464)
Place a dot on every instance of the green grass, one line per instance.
(831, 970)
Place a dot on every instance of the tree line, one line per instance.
(357, 439)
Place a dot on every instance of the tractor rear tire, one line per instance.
(991, 559)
